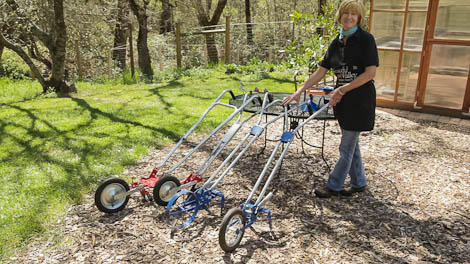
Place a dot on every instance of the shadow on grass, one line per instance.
(67, 161)
(26, 99)
(36, 151)
(206, 94)
(265, 77)
(95, 112)
(280, 80)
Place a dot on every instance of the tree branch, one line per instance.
(218, 11)
(209, 6)
(18, 50)
(201, 13)
(35, 54)
(135, 8)
(35, 30)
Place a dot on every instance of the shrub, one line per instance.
(12, 66)
(309, 52)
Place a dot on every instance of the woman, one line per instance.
(354, 59)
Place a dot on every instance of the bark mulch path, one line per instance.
(416, 208)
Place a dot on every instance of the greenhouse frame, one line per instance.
(424, 52)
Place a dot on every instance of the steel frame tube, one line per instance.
(279, 161)
(238, 110)
(261, 112)
(193, 127)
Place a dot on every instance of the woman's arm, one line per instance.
(366, 76)
(313, 79)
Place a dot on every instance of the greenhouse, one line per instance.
(424, 50)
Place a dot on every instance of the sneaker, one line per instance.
(327, 193)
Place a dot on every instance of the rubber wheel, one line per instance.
(162, 189)
(104, 195)
(230, 235)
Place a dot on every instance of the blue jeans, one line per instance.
(349, 161)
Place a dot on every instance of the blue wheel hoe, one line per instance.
(237, 220)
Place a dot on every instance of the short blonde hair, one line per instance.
(351, 5)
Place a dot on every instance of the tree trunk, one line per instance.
(212, 51)
(55, 41)
(249, 29)
(131, 51)
(205, 21)
(166, 17)
(321, 3)
(1, 53)
(145, 64)
(120, 35)
(144, 61)
(276, 25)
(208, 6)
(58, 50)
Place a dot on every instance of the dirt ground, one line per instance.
(416, 208)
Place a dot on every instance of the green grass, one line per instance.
(18, 90)
(55, 149)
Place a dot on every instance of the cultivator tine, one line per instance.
(267, 211)
(222, 201)
(213, 194)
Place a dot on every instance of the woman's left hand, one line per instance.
(335, 97)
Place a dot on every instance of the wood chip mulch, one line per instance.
(416, 208)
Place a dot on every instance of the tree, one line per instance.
(16, 37)
(144, 61)
(120, 34)
(205, 21)
(1, 53)
(166, 17)
(320, 4)
(249, 27)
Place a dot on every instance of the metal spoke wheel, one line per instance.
(182, 209)
(230, 233)
(106, 196)
(162, 192)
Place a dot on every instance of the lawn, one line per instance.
(54, 149)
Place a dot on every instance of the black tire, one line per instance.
(162, 188)
(104, 195)
(233, 217)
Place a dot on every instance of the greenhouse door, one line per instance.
(424, 52)
(445, 66)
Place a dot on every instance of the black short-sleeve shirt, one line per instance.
(356, 110)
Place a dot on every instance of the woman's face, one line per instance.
(349, 19)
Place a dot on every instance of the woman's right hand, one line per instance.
(290, 98)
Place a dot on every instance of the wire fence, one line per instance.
(267, 42)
